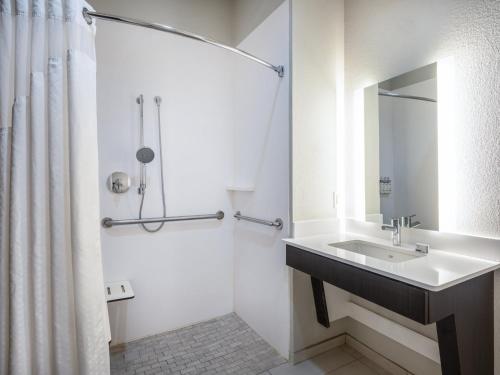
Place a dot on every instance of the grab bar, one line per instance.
(277, 223)
(108, 222)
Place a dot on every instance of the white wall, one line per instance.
(373, 153)
(211, 18)
(385, 138)
(317, 53)
(225, 122)
(248, 14)
(385, 38)
(183, 274)
(317, 109)
(261, 161)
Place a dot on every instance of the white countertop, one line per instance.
(435, 271)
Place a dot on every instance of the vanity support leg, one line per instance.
(466, 337)
(320, 302)
(448, 346)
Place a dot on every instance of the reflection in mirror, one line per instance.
(401, 149)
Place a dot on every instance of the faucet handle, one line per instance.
(406, 221)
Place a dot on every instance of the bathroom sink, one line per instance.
(387, 253)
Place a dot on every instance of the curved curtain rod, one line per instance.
(395, 95)
(88, 14)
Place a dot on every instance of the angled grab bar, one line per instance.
(108, 222)
(277, 223)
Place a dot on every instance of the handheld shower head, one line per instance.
(145, 155)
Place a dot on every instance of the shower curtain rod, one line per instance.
(396, 95)
(88, 14)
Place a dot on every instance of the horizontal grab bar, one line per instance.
(108, 222)
(277, 223)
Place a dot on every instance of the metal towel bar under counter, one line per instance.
(277, 223)
(108, 222)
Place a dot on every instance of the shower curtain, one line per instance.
(52, 307)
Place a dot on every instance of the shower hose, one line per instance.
(143, 192)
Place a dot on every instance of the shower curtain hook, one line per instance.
(86, 15)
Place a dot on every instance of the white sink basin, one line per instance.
(387, 253)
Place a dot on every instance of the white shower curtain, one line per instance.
(52, 308)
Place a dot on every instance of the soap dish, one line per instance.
(118, 291)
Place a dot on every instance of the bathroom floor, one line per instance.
(227, 345)
(342, 360)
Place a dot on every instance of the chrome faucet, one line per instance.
(395, 228)
(397, 224)
(407, 221)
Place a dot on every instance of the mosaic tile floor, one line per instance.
(226, 345)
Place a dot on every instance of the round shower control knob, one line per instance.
(118, 182)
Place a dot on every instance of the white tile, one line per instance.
(374, 357)
(332, 359)
(321, 364)
(378, 369)
(318, 349)
(354, 368)
(352, 352)
(302, 368)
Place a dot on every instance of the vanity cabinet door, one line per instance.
(394, 295)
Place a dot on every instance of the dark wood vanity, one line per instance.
(463, 313)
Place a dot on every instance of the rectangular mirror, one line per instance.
(401, 149)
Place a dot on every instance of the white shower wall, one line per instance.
(225, 121)
(184, 273)
(261, 160)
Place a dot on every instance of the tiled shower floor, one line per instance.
(225, 345)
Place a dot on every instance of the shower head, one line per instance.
(145, 155)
